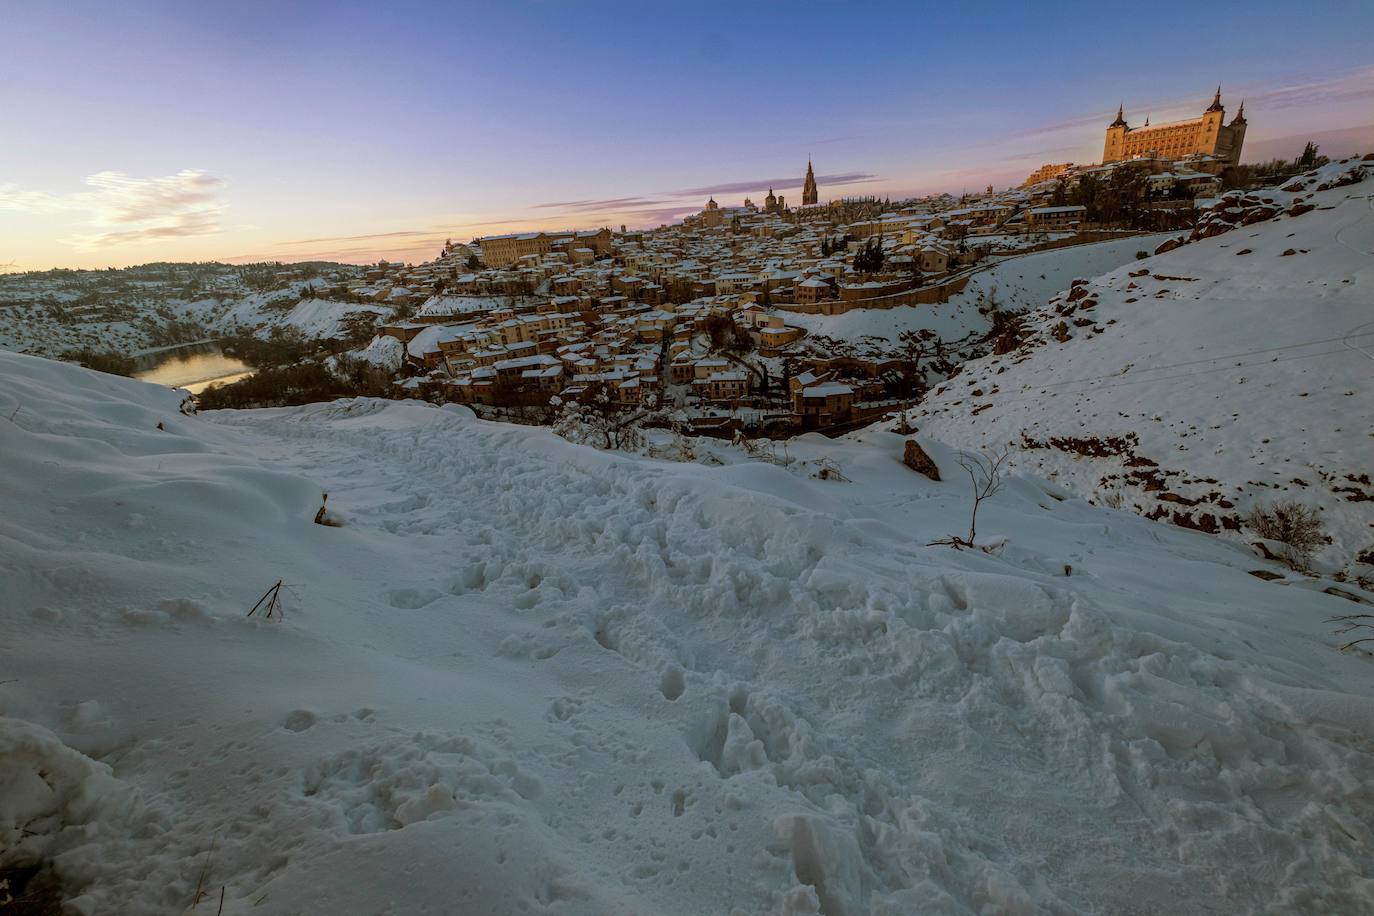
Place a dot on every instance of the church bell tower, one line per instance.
(809, 193)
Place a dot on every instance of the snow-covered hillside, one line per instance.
(144, 308)
(1232, 372)
(1026, 281)
(314, 318)
(526, 676)
(1014, 283)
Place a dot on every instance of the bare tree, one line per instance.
(985, 472)
(732, 341)
(597, 417)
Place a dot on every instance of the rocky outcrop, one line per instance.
(916, 458)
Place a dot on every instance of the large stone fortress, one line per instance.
(1207, 135)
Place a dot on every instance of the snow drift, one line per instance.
(528, 676)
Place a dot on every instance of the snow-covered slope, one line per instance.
(1014, 283)
(1232, 372)
(1026, 281)
(527, 676)
(40, 316)
(880, 328)
(314, 318)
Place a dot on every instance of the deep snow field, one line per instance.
(526, 676)
(1241, 367)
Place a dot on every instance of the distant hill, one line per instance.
(128, 310)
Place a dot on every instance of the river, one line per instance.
(194, 367)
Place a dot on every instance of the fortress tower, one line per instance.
(1208, 135)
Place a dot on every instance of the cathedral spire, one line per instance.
(1216, 100)
(1240, 113)
(810, 194)
(1120, 116)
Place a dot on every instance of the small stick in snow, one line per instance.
(271, 596)
(204, 872)
(1351, 622)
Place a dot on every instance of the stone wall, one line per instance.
(925, 295)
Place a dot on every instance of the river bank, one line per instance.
(193, 366)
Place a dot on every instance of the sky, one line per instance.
(278, 130)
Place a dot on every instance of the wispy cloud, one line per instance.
(1096, 118)
(1347, 86)
(1351, 86)
(401, 233)
(123, 210)
(655, 216)
(1036, 154)
(790, 181)
(589, 206)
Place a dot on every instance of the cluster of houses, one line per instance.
(1184, 179)
(523, 353)
(638, 317)
(519, 319)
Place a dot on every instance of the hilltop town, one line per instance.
(709, 318)
(1002, 551)
(740, 318)
(684, 655)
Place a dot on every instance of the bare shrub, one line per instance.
(1297, 527)
(985, 473)
(596, 417)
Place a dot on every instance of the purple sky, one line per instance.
(249, 130)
